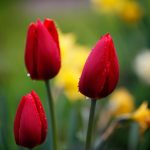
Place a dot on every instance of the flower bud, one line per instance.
(42, 52)
(101, 70)
(30, 124)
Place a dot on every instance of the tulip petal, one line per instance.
(30, 124)
(48, 54)
(41, 115)
(31, 51)
(17, 119)
(49, 24)
(112, 69)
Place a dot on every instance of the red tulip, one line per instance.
(101, 70)
(30, 125)
(42, 53)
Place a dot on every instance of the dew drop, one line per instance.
(28, 74)
(87, 98)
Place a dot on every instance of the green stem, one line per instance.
(52, 115)
(134, 136)
(106, 135)
(99, 143)
(90, 125)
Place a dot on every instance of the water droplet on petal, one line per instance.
(28, 74)
(87, 98)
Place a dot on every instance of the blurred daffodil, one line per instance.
(121, 102)
(108, 6)
(73, 59)
(131, 12)
(142, 116)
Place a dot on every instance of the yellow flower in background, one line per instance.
(121, 102)
(131, 12)
(73, 59)
(108, 6)
(142, 116)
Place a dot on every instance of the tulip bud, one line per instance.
(101, 70)
(30, 125)
(42, 52)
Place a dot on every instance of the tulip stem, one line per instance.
(52, 114)
(90, 125)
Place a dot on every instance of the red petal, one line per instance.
(50, 25)
(17, 119)
(31, 51)
(48, 63)
(41, 114)
(113, 70)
